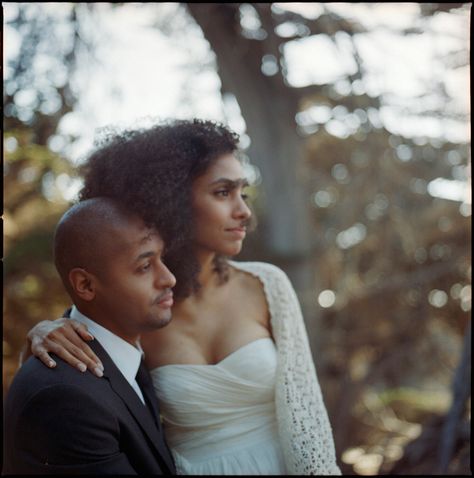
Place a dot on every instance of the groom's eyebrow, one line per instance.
(145, 255)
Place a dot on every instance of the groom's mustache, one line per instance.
(167, 294)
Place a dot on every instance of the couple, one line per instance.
(232, 371)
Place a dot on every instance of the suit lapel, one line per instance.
(139, 411)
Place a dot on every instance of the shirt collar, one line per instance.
(126, 357)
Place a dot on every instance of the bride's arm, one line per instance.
(65, 338)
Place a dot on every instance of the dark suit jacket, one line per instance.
(62, 421)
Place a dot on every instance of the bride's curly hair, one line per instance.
(151, 170)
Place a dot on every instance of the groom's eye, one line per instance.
(144, 267)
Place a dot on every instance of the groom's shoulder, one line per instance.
(60, 401)
(38, 373)
(35, 378)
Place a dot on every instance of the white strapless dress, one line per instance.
(220, 419)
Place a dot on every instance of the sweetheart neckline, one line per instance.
(211, 364)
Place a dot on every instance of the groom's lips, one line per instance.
(165, 301)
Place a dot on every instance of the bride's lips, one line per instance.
(238, 232)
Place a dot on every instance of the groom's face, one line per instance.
(133, 288)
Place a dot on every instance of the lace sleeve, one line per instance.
(304, 428)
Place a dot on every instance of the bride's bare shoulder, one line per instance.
(245, 280)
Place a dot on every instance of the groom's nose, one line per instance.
(164, 279)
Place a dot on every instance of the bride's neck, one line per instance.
(207, 275)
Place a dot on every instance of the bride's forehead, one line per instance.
(227, 166)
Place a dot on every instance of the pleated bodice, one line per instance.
(220, 419)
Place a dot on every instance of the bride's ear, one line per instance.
(82, 283)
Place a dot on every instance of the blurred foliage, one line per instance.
(392, 263)
(33, 205)
(37, 95)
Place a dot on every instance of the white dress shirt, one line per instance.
(125, 356)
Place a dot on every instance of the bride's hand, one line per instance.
(66, 338)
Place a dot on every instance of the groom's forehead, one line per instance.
(131, 236)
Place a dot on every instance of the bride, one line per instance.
(233, 371)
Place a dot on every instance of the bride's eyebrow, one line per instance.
(231, 183)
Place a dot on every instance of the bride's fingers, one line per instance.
(65, 350)
(77, 347)
(82, 330)
(43, 355)
(73, 356)
(65, 338)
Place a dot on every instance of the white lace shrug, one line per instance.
(303, 424)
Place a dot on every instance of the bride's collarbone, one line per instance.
(212, 316)
(208, 327)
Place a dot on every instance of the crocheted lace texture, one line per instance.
(303, 424)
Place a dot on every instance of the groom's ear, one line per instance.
(83, 283)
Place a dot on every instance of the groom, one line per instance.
(58, 421)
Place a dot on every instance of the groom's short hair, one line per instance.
(84, 236)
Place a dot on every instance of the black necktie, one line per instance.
(144, 382)
(146, 386)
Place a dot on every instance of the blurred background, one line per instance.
(355, 126)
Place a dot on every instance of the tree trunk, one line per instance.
(461, 392)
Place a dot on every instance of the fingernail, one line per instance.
(98, 372)
(51, 364)
(100, 366)
(82, 367)
(91, 337)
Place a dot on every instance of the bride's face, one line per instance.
(220, 211)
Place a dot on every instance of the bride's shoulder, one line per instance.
(263, 270)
